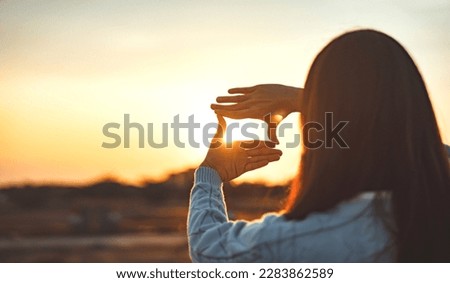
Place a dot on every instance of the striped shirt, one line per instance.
(350, 232)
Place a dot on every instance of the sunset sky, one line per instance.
(69, 67)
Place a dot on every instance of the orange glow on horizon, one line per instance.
(67, 70)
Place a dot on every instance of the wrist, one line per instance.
(292, 100)
(208, 175)
(207, 164)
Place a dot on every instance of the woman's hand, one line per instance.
(260, 102)
(233, 160)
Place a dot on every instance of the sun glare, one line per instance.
(245, 130)
(59, 91)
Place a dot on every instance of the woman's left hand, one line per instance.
(233, 160)
(268, 102)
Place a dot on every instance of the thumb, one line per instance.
(271, 128)
(217, 141)
(272, 133)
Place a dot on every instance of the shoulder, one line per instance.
(344, 213)
(348, 232)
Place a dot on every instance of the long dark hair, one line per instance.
(368, 79)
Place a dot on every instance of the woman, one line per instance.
(383, 196)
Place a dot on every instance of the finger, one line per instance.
(256, 144)
(269, 144)
(233, 107)
(269, 158)
(263, 151)
(255, 165)
(231, 99)
(237, 114)
(271, 129)
(241, 90)
(272, 133)
(252, 144)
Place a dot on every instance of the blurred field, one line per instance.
(111, 222)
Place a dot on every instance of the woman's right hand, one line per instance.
(232, 160)
(260, 102)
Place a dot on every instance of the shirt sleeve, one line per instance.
(346, 233)
(212, 236)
